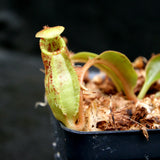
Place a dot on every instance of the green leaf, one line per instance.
(116, 65)
(85, 56)
(152, 74)
(122, 67)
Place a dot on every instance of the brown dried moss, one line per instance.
(106, 109)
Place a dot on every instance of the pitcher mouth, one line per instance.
(52, 46)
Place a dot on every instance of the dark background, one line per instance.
(131, 27)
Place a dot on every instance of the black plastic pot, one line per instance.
(105, 145)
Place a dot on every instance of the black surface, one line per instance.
(25, 132)
(111, 145)
(131, 27)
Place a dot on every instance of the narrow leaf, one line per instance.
(117, 66)
(152, 74)
(85, 56)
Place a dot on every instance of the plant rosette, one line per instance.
(102, 117)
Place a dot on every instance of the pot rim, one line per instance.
(106, 132)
